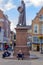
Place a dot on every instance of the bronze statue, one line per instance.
(22, 17)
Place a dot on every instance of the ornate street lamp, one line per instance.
(41, 38)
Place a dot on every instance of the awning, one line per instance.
(40, 37)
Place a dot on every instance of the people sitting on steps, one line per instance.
(20, 55)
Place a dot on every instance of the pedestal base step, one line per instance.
(24, 49)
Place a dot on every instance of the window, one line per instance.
(41, 29)
(41, 18)
(35, 28)
(1, 20)
(35, 40)
(41, 40)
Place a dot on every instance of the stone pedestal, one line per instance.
(21, 40)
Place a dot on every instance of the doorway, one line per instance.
(37, 47)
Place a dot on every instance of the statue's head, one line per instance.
(20, 9)
(22, 1)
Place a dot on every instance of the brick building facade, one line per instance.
(4, 29)
(37, 31)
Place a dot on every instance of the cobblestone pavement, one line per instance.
(38, 54)
(23, 62)
(37, 61)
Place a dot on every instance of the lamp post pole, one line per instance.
(40, 46)
(41, 51)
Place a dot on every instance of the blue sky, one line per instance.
(10, 8)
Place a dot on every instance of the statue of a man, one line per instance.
(22, 17)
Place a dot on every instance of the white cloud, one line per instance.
(13, 24)
(28, 22)
(6, 5)
(34, 2)
(1, 1)
(37, 2)
(9, 6)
